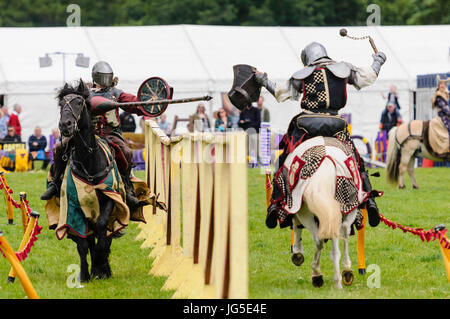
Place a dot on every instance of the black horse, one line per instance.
(90, 162)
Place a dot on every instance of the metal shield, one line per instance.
(154, 89)
(245, 89)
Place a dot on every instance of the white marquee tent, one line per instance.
(196, 60)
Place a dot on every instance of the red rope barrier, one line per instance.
(428, 235)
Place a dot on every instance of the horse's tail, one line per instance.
(392, 157)
(320, 198)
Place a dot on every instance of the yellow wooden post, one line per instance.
(26, 237)
(360, 245)
(17, 266)
(23, 209)
(446, 257)
(238, 287)
(9, 204)
(221, 216)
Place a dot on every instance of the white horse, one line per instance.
(319, 203)
(400, 158)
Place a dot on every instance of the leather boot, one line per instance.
(271, 218)
(52, 190)
(371, 206)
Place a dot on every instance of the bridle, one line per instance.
(76, 117)
(84, 173)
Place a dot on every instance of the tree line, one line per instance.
(49, 13)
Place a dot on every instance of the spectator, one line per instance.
(201, 120)
(127, 121)
(223, 121)
(56, 137)
(393, 97)
(250, 117)
(390, 118)
(14, 119)
(265, 114)
(36, 145)
(4, 122)
(163, 124)
(12, 136)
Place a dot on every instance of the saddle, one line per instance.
(436, 139)
(122, 163)
(431, 133)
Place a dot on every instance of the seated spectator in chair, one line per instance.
(12, 136)
(37, 144)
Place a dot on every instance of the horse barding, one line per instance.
(91, 209)
(321, 190)
(428, 139)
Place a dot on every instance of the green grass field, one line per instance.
(409, 267)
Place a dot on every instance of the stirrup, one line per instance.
(372, 212)
(271, 218)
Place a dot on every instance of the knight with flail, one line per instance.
(321, 88)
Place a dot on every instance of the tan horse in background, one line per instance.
(405, 143)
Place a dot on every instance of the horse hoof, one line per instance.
(298, 259)
(317, 281)
(347, 277)
(415, 187)
(401, 187)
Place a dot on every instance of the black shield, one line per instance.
(245, 89)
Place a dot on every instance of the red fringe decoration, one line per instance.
(429, 235)
(23, 254)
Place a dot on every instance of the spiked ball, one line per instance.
(343, 32)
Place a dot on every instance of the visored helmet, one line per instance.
(314, 52)
(102, 74)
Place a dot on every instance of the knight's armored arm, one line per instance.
(101, 108)
(378, 60)
(127, 97)
(364, 76)
(263, 80)
(290, 89)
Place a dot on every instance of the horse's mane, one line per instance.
(80, 89)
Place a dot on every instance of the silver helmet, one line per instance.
(314, 52)
(102, 74)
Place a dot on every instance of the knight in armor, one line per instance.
(107, 125)
(322, 83)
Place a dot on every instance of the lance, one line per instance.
(150, 107)
(343, 33)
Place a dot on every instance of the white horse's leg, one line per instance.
(297, 247)
(408, 150)
(347, 273)
(335, 257)
(411, 173)
(307, 219)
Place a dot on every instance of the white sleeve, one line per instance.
(362, 77)
(286, 91)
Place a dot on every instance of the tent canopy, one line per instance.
(198, 59)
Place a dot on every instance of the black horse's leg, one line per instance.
(102, 248)
(83, 249)
(91, 245)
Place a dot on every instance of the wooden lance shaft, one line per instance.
(25, 239)
(17, 266)
(156, 102)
